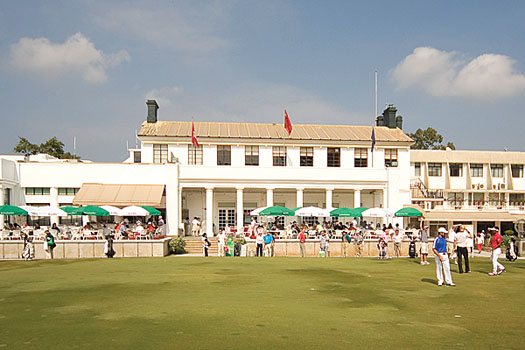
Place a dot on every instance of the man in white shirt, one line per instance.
(461, 245)
(221, 243)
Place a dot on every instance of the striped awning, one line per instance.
(119, 195)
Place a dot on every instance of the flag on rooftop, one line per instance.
(287, 123)
(373, 139)
(193, 138)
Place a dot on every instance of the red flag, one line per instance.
(287, 123)
(193, 138)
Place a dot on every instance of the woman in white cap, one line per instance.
(442, 264)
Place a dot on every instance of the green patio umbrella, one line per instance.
(342, 212)
(70, 210)
(408, 212)
(90, 210)
(12, 210)
(277, 211)
(151, 210)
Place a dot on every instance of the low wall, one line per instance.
(83, 249)
(290, 247)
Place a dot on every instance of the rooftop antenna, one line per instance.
(127, 145)
(74, 145)
(375, 95)
(136, 140)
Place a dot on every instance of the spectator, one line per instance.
(302, 241)
(323, 244)
(480, 239)
(423, 249)
(221, 243)
(268, 239)
(358, 242)
(461, 245)
(259, 240)
(398, 239)
(205, 244)
(346, 242)
(49, 244)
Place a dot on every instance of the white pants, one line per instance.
(495, 264)
(220, 247)
(443, 266)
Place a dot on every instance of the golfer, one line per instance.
(442, 262)
(423, 248)
(497, 268)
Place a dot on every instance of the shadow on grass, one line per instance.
(429, 280)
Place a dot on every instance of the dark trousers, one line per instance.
(206, 251)
(462, 252)
(259, 249)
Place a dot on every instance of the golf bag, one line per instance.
(29, 251)
(412, 249)
(108, 247)
(512, 250)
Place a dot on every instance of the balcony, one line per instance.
(419, 190)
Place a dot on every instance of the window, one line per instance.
(226, 218)
(434, 169)
(361, 157)
(137, 157)
(391, 157)
(417, 169)
(496, 170)
(279, 156)
(307, 156)
(37, 191)
(455, 198)
(517, 170)
(160, 154)
(224, 155)
(456, 169)
(67, 191)
(333, 157)
(251, 155)
(476, 170)
(194, 155)
(7, 196)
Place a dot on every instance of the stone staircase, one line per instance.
(194, 245)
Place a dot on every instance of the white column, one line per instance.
(300, 197)
(385, 199)
(269, 197)
(240, 210)
(2, 217)
(209, 211)
(329, 193)
(172, 199)
(53, 194)
(357, 198)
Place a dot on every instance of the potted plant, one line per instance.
(240, 246)
(177, 245)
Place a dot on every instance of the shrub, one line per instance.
(509, 233)
(177, 245)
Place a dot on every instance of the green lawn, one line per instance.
(251, 303)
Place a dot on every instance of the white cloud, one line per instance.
(188, 27)
(442, 73)
(164, 95)
(77, 56)
(256, 102)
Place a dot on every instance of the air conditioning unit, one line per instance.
(501, 186)
(494, 187)
(481, 186)
(474, 186)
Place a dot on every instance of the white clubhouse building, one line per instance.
(239, 167)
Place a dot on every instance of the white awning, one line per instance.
(468, 216)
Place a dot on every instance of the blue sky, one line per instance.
(84, 69)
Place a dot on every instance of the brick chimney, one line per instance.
(152, 111)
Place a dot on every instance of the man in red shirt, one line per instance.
(497, 268)
(302, 240)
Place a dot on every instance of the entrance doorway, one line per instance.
(226, 218)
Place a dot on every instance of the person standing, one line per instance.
(322, 243)
(496, 241)
(346, 243)
(358, 242)
(205, 244)
(268, 239)
(480, 239)
(461, 245)
(423, 249)
(442, 263)
(302, 241)
(49, 244)
(160, 225)
(259, 240)
(195, 227)
(221, 243)
(398, 239)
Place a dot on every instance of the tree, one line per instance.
(429, 139)
(54, 147)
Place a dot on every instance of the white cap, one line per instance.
(442, 229)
